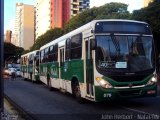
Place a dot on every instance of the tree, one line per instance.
(46, 38)
(107, 11)
(12, 50)
(80, 19)
(25, 51)
(151, 15)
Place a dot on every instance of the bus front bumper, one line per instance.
(102, 94)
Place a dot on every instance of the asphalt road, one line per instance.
(42, 104)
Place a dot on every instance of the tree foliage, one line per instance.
(12, 50)
(150, 14)
(47, 37)
(108, 11)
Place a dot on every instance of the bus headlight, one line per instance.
(103, 83)
(152, 81)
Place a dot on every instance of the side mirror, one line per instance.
(93, 44)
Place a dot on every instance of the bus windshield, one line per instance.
(124, 53)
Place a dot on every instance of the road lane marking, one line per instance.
(135, 110)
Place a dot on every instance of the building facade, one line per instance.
(66, 11)
(8, 36)
(42, 17)
(16, 28)
(146, 2)
(57, 13)
(14, 39)
(78, 6)
(24, 25)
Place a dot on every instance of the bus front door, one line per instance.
(89, 69)
(61, 68)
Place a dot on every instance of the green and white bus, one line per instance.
(102, 60)
(30, 66)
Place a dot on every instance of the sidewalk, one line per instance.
(10, 113)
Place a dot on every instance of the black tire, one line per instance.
(76, 91)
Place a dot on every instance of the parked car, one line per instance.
(18, 72)
(11, 70)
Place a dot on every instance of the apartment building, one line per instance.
(16, 27)
(78, 6)
(42, 17)
(24, 25)
(55, 13)
(8, 36)
(14, 39)
(60, 13)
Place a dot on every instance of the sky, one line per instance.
(10, 7)
(10, 11)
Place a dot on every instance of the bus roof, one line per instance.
(27, 54)
(68, 35)
(89, 25)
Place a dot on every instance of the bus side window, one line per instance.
(67, 51)
(55, 52)
(46, 54)
(50, 56)
(31, 59)
(76, 46)
(42, 56)
(26, 60)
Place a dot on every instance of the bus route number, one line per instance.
(107, 95)
(107, 64)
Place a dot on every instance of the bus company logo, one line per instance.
(54, 71)
(130, 85)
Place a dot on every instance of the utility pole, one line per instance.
(1, 54)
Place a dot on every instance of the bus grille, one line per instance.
(128, 78)
(130, 93)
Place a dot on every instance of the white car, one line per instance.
(18, 72)
(11, 70)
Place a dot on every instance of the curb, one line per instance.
(22, 112)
